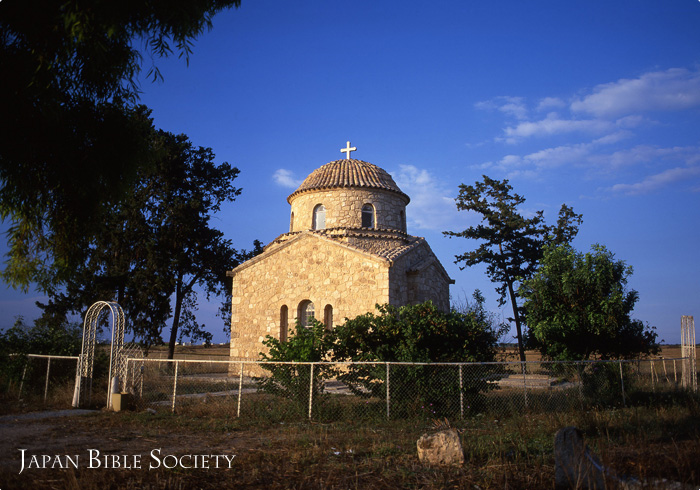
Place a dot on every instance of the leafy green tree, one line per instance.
(292, 381)
(157, 246)
(41, 338)
(511, 244)
(578, 306)
(417, 333)
(70, 143)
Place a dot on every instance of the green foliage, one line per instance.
(578, 306)
(602, 383)
(417, 333)
(293, 381)
(71, 140)
(156, 244)
(42, 338)
(511, 245)
(421, 334)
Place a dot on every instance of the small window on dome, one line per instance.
(319, 222)
(367, 216)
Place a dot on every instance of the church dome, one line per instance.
(348, 173)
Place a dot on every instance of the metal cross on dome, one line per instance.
(347, 151)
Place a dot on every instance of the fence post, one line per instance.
(46, 387)
(663, 363)
(143, 373)
(311, 389)
(653, 385)
(177, 364)
(461, 394)
(622, 385)
(21, 383)
(522, 364)
(240, 389)
(387, 392)
(675, 376)
(579, 368)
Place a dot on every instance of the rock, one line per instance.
(575, 465)
(443, 448)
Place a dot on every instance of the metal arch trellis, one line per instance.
(688, 352)
(117, 363)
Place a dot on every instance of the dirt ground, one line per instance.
(76, 432)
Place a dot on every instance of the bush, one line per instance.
(22, 339)
(292, 381)
(418, 334)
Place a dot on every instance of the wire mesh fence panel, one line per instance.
(371, 391)
(40, 379)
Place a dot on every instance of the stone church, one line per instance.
(347, 250)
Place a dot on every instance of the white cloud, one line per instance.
(601, 128)
(688, 155)
(510, 106)
(285, 178)
(657, 181)
(432, 205)
(550, 103)
(553, 125)
(671, 90)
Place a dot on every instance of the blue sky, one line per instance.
(594, 104)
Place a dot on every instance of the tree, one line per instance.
(69, 142)
(157, 245)
(512, 244)
(578, 305)
(41, 338)
(417, 334)
(290, 380)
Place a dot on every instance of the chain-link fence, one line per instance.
(45, 379)
(371, 390)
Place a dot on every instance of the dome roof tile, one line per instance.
(348, 173)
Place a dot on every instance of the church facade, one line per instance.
(347, 250)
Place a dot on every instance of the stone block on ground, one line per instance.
(576, 467)
(441, 448)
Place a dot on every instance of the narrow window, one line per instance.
(328, 317)
(291, 223)
(367, 216)
(284, 315)
(305, 313)
(319, 217)
(403, 222)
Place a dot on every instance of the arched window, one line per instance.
(319, 217)
(367, 216)
(305, 313)
(284, 316)
(328, 317)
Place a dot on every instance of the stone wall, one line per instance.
(344, 208)
(417, 276)
(306, 267)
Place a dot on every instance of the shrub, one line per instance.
(418, 334)
(293, 381)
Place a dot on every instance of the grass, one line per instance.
(657, 435)
(516, 452)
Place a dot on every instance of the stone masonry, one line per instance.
(329, 265)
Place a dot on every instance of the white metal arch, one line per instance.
(117, 363)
